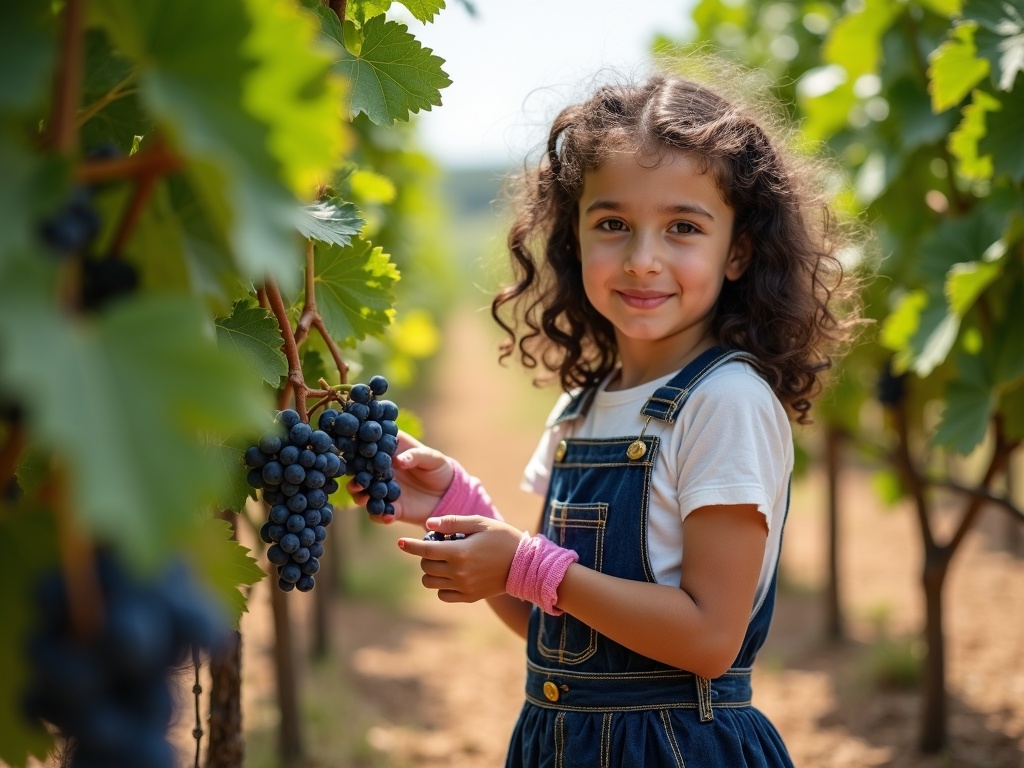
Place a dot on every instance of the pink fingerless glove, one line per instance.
(466, 496)
(537, 569)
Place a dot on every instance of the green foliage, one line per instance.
(353, 289)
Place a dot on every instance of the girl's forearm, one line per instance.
(656, 620)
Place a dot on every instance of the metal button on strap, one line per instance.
(550, 691)
(636, 449)
(560, 454)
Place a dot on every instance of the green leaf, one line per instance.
(1000, 37)
(240, 90)
(253, 332)
(330, 221)
(27, 56)
(31, 539)
(353, 287)
(966, 282)
(423, 10)
(1003, 140)
(954, 68)
(855, 41)
(960, 240)
(225, 457)
(970, 402)
(1008, 346)
(361, 11)
(392, 75)
(222, 563)
(921, 331)
(903, 321)
(122, 400)
(963, 142)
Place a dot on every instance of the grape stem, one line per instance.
(296, 383)
(154, 161)
(144, 185)
(119, 91)
(311, 317)
(78, 562)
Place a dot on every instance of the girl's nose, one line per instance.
(643, 258)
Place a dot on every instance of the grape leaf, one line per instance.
(145, 367)
(1009, 346)
(423, 10)
(1003, 139)
(330, 221)
(954, 68)
(1011, 408)
(362, 10)
(226, 456)
(966, 282)
(32, 538)
(222, 563)
(238, 88)
(393, 75)
(353, 288)
(27, 56)
(963, 142)
(253, 332)
(1000, 37)
(855, 41)
(970, 402)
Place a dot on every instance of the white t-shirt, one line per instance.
(731, 444)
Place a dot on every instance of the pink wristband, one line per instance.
(537, 569)
(466, 496)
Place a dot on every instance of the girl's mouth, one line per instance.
(642, 299)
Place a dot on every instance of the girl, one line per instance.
(671, 271)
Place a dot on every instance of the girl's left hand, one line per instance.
(469, 569)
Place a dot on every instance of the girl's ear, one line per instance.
(740, 253)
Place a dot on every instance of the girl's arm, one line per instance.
(698, 626)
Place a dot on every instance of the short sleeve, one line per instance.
(537, 474)
(736, 445)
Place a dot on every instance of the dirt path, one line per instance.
(440, 685)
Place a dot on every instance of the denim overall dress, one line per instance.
(591, 702)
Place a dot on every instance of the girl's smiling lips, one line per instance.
(639, 299)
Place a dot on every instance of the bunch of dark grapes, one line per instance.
(295, 466)
(109, 692)
(367, 437)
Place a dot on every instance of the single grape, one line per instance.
(360, 410)
(389, 508)
(320, 441)
(279, 514)
(390, 410)
(367, 450)
(265, 533)
(289, 455)
(290, 572)
(294, 473)
(288, 418)
(306, 536)
(270, 443)
(289, 489)
(363, 479)
(369, 432)
(381, 463)
(326, 420)
(312, 517)
(305, 583)
(311, 566)
(321, 460)
(331, 486)
(295, 523)
(394, 491)
(346, 425)
(378, 385)
(388, 444)
(315, 498)
(299, 434)
(376, 410)
(332, 466)
(276, 555)
(289, 543)
(301, 555)
(273, 473)
(276, 532)
(315, 479)
(307, 458)
(319, 533)
(297, 503)
(326, 515)
(375, 506)
(377, 490)
(254, 458)
(285, 586)
(316, 550)
(254, 478)
(360, 393)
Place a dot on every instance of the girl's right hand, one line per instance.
(424, 475)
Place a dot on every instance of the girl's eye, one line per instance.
(683, 228)
(612, 225)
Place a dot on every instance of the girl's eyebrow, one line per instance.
(692, 209)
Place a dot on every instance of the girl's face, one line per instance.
(656, 245)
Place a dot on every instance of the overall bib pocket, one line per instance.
(579, 527)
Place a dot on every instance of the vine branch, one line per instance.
(154, 161)
(63, 129)
(115, 93)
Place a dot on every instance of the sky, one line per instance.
(516, 62)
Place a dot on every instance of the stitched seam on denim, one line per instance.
(606, 739)
(557, 521)
(645, 508)
(704, 700)
(544, 704)
(666, 720)
(560, 739)
(729, 356)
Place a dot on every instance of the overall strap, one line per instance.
(667, 401)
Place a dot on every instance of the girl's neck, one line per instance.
(638, 366)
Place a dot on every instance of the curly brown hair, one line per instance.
(783, 310)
